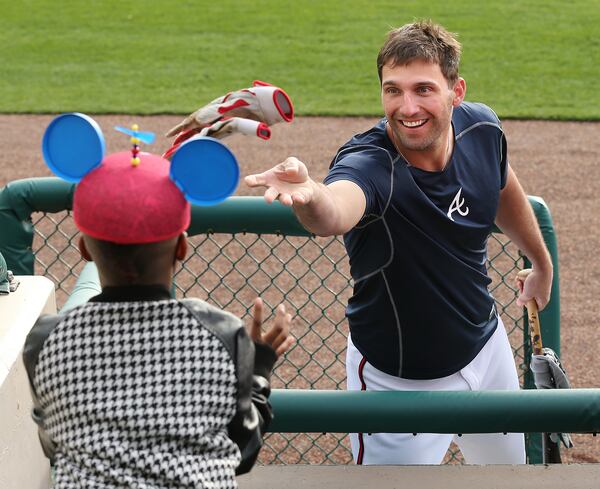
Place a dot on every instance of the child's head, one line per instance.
(133, 208)
(133, 218)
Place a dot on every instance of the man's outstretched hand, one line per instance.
(287, 182)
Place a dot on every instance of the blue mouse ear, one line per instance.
(73, 145)
(205, 170)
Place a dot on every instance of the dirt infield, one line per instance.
(557, 161)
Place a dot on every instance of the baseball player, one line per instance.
(416, 197)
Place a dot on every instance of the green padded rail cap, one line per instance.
(4, 285)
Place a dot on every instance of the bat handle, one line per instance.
(535, 331)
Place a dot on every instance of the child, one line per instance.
(134, 388)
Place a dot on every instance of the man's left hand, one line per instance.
(534, 284)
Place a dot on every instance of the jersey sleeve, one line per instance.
(503, 146)
(31, 351)
(254, 363)
(489, 113)
(475, 114)
(503, 161)
(370, 168)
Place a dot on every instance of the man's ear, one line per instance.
(85, 254)
(181, 249)
(460, 90)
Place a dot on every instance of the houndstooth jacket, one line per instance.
(135, 389)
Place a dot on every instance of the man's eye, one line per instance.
(391, 90)
(424, 89)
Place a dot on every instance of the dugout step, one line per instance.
(574, 476)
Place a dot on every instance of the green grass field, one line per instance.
(527, 59)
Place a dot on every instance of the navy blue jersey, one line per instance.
(421, 307)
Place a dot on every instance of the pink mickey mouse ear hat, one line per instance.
(134, 197)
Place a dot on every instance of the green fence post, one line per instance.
(549, 317)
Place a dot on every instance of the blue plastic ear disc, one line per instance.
(205, 170)
(73, 145)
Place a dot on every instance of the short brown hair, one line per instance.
(131, 263)
(423, 40)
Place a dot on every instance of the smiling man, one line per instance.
(416, 198)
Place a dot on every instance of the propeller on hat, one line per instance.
(144, 137)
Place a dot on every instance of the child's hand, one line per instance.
(278, 336)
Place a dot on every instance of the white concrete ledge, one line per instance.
(22, 462)
(586, 476)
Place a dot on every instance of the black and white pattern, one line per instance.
(137, 395)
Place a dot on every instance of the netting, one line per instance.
(310, 276)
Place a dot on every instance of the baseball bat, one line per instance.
(550, 449)
(535, 331)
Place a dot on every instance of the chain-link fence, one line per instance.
(309, 275)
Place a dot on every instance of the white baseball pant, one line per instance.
(492, 369)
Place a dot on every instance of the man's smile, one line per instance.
(417, 123)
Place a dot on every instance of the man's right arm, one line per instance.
(324, 210)
(334, 209)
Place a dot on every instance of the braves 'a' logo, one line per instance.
(457, 205)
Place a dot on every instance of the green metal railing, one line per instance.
(243, 248)
(566, 410)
